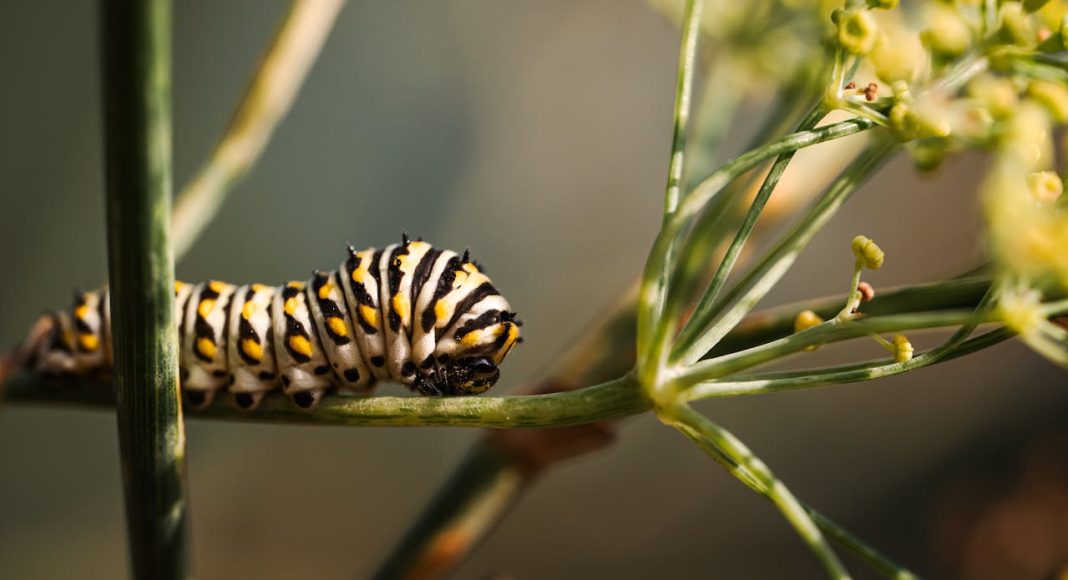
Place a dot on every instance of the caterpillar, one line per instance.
(408, 313)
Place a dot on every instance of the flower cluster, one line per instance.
(987, 76)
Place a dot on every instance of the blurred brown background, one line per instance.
(536, 133)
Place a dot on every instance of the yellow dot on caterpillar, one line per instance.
(301, 345)
(325, 289)
(252, 349)
(471, 268)
(217, 286)
(472, 338)
(442, 311)
(206, 347)
(81, 311)
(248, 310)
(461, 277)
(205, 307)
(88, 342)
(290, 306)
(258, 287)
(369, 314)
(178, 286)
(296, 285)
(337, 326)
(400, 306)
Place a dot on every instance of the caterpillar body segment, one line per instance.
(407, 313)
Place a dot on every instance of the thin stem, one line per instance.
(703, 310)
(691, 23)
(823, 334)
(853, 298)
(694, 343)
(610, 400)
(267, 100)
(136, 58)
(845, 374)
(657, 267)
(655, 300)
(878, 562)
(739, 461)
(773, 323)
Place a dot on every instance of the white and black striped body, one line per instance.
(407, 313)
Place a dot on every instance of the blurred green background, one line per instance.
(537, 134)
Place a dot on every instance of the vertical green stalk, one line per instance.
(691, 25)
(137, 137)
(653, 293)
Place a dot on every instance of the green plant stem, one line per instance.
(845, 374)
(610, 400)
(657, 267)
(703, 311)
(683, 91)
(136, 60)
(774, 323)
(828, 332)
(691, 23)
(268, 98)
(693, 343)
(872, 557)
(740, 462)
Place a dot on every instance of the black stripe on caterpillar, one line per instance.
(408, 313)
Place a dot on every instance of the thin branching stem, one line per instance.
(658, 267)
(729, 311)
(740, 462)
(691, 24)
(703, 310)
(680, 120)
(828, 332)
(267, 100)
(137, 149)
(845, 374)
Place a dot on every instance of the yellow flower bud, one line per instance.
(1021, 309)
(902, 348)
(805, 320)
(897, 55)
(868, 253)
(947, 34)
(1017, 25)
(917, 121)
(997, 94)
(857, 31)
(1045, 186)
(1027, 134)
(1053, 96)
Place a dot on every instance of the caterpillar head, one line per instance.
(479, 346)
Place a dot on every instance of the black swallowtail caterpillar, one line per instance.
(409, 313)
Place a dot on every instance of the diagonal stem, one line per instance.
(267, 100)
(740, 462)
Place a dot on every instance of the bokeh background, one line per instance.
(537, 134)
